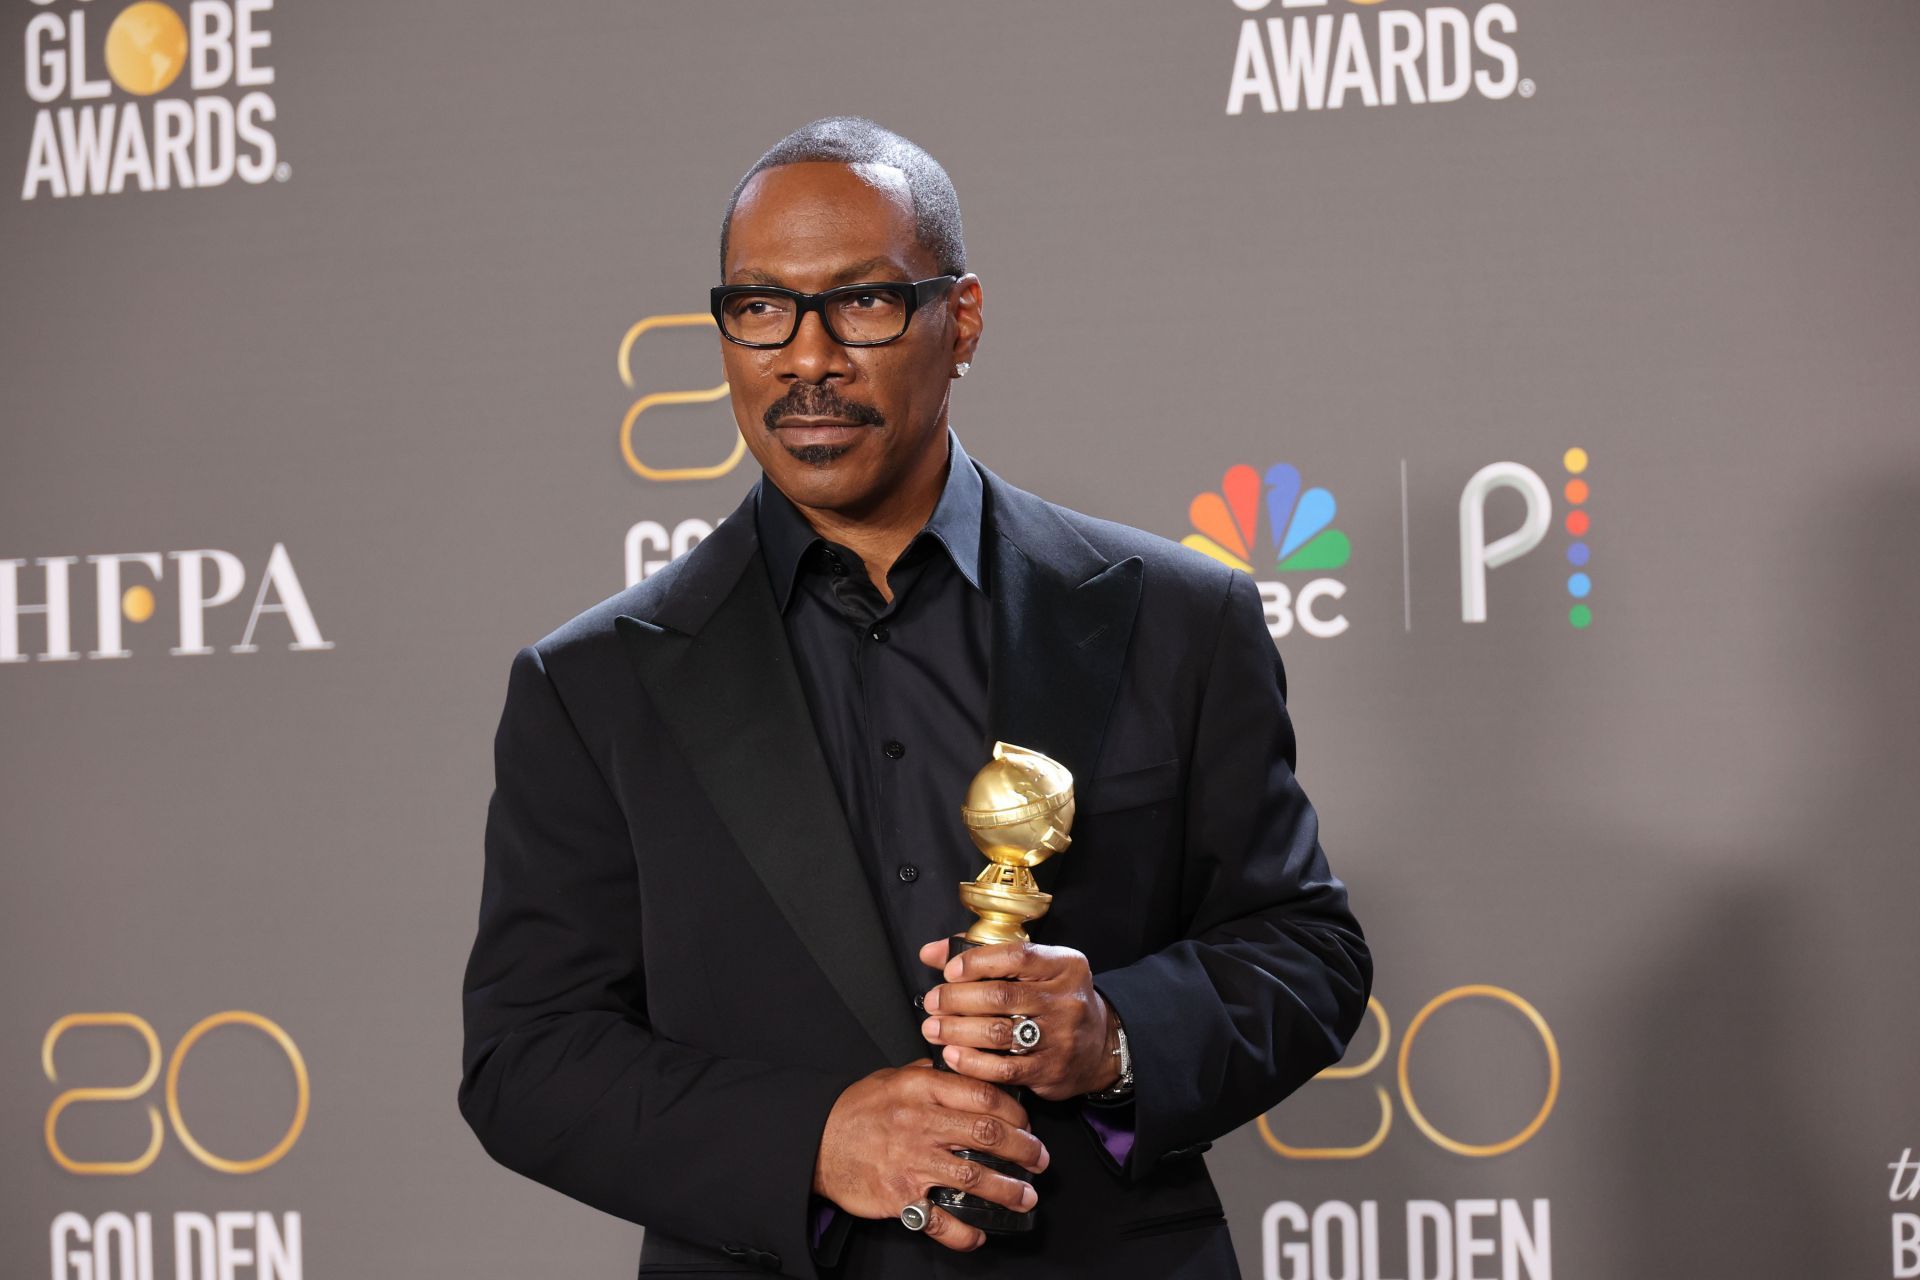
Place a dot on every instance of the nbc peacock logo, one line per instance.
(1300, 538)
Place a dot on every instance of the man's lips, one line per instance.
(797, 430)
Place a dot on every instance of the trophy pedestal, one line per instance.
(995, 1219)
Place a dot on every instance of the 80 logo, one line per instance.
(1472, 1150)
(174, 1062)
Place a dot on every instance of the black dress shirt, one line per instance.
(898, 693)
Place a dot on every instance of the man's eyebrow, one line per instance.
(859, 272)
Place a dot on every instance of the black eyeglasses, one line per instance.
(856, 315)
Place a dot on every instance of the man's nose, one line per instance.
(813, 355)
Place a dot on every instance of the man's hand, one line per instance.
(891, 1136)
(1051, 985)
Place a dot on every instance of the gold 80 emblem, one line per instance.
(651, 399)
(123, 1093)
(1479, 1151)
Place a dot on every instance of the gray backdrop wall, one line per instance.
(314, 409)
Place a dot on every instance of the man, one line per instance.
(724, 844)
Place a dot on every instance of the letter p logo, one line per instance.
(1477, 555)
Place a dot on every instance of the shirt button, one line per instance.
(909, 874)
(895, 749)
(879, 635)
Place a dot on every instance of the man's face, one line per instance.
(843, 428)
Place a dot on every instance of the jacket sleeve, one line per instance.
(564, 1080)
(1271, 978)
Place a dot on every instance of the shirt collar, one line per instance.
(786, 537)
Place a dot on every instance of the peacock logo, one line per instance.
(1225, 522)
(1300, 538)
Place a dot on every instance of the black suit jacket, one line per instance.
(679, 964)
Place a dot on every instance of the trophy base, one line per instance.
(995, 1219)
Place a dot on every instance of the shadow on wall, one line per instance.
(1715, 1157)
(1767, 1083)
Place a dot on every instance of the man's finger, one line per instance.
(992, 1134)
(974, 1097)
(952, 1232)
(1003, 960)
(976, 1179)
(934, 954)
(986, 999)
(996, 1068)
(979, 1033)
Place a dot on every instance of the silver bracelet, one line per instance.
(1121, 1089)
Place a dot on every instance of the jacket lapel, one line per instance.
(1062, 617)
(714, 661)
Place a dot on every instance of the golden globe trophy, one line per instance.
(1018, 809)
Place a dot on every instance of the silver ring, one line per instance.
(1026, 1034)
(914, 1217)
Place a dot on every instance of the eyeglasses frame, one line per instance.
(917, 294)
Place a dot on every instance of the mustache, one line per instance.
(820, 402)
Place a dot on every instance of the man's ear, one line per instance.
(968, 317)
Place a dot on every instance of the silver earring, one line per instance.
(960, 370)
